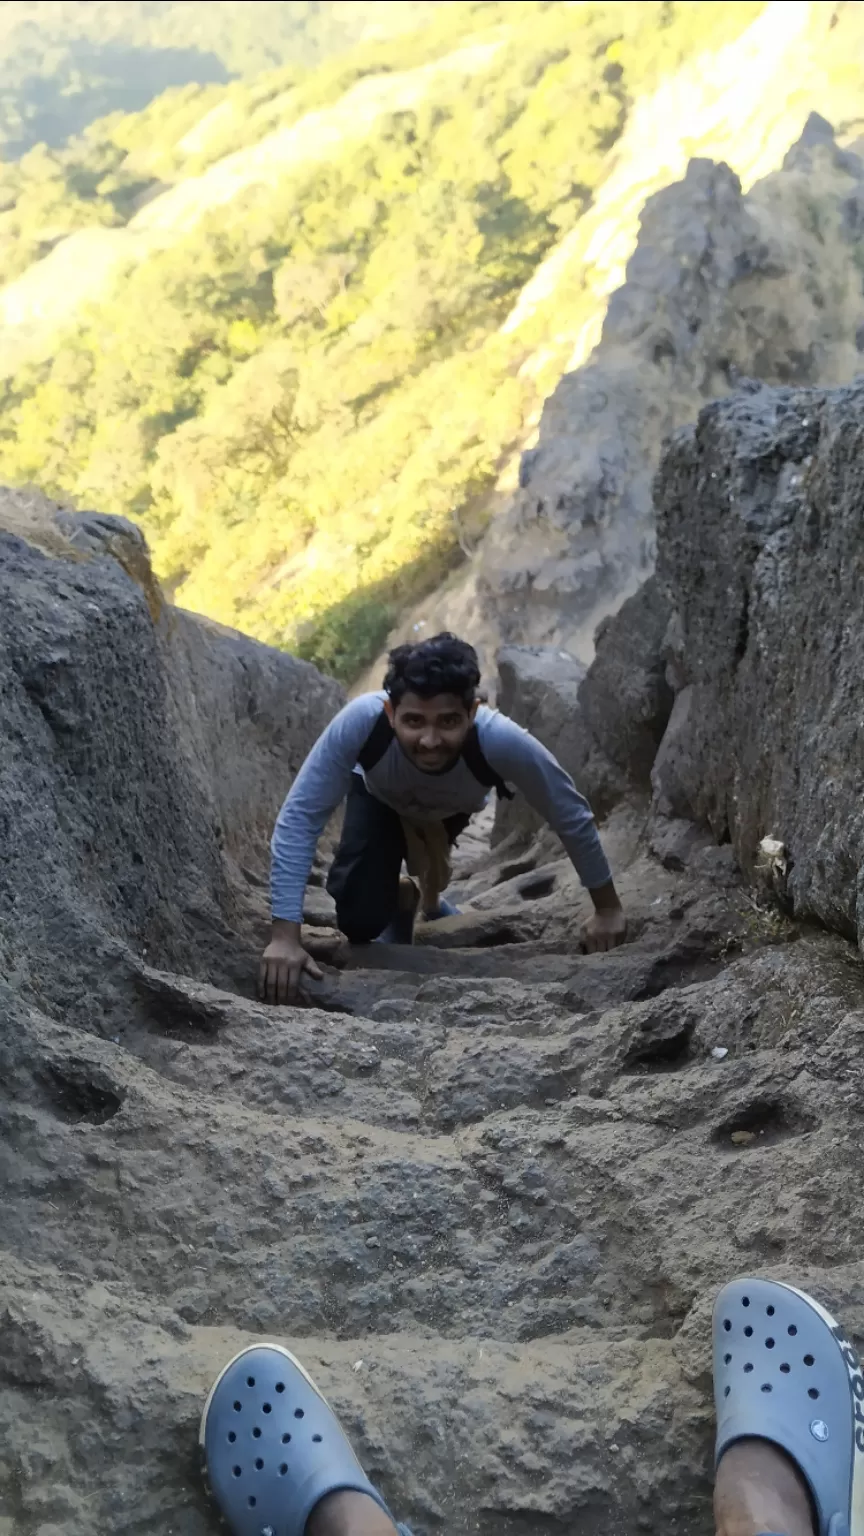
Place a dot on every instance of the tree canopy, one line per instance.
(66, 62)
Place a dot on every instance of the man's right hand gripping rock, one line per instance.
(283, 963)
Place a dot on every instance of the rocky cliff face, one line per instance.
(761, 554)
(485, 1187)
(721, 286)
(604, 723)
(142, 757)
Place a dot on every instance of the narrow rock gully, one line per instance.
(485, 1188)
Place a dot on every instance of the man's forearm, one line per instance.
(605, 897)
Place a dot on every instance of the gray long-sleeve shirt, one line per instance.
(325, 778)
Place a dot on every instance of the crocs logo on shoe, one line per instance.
(856, 1381)
(819, 1429)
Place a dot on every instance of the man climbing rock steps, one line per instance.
(415, 762)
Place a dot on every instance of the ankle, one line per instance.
(758, 1489)
(347, 1513)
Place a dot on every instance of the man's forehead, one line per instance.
(440, 704)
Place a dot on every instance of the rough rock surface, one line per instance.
(604, 723)
(539, 688)
(485, 1187)
(722, 286)
(625, 698)
(131, 737)
(760, 548)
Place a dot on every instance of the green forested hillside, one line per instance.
(305, 396)
(64, 63)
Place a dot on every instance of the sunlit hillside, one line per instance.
(64, 63)
(299, 327)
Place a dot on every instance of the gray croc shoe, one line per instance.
(272, 1447)
(784, 1371)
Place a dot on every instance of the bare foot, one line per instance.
(759, 1489)
(349, 1514)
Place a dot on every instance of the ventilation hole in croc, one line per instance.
(298, 1413)
(770, 1311)
(267, 1408)
(250, 1381)
(808, 1360)
(237, 1407)
(280, 1386)
(792, 1330)
(317, 1439)
(726, 1391)
(283, 1469)
(726, 1324)
(748, 1367)
(231, 1438)
(813, 1392)
(259, 1464)
(745, 1301)
(766, 1386)
(785, 1368)
(769, 1343)
(256, 1433)
(236, 1471)
(748, 1332)
(252, 1501)
(727, 1359)
(286, 1439)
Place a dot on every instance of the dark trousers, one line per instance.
(364, 875)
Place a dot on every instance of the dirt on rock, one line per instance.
(485, 1187)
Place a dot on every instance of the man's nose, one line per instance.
(430, 741)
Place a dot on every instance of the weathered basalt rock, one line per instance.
(760, 550)
(604, 723)
(143, 755)
(625, 698)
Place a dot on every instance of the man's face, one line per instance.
(431, 731)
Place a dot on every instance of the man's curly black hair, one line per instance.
(443, 664)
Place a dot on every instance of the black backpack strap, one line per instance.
(376, 743)
(472, 753)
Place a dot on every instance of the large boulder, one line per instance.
(254, 713)
(625, 698)
(605, 722)
(143, 756)
(760, 551)
(539, 688)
